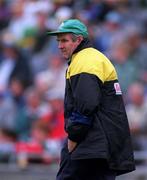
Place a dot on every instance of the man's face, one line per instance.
(67, 45)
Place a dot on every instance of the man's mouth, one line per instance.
(63, 52)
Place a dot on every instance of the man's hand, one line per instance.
(71, 145)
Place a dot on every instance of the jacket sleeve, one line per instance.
(86, 89)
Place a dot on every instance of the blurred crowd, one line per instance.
(32, 71)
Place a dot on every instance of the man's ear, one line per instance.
(80, 39)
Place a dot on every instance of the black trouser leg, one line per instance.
(87, 169)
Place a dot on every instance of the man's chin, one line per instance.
(65, 57)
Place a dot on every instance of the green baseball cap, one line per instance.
(71, 26)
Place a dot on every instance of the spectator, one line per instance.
(108, 32)
(8, 111)
(4, 14)
(56, 122)
(126, 68)
(13, 65)
(7, 145)
(137, 114)
(52, 79)
(16, 91)
(34, 109)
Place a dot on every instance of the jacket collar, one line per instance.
(84, 44)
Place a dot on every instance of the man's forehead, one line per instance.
(63, 35)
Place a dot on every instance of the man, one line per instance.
(98, 146)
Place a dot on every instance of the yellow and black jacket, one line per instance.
(95, 116)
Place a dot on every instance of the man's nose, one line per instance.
(60, 45)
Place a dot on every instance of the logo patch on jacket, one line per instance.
(117, 89)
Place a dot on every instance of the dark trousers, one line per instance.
(87, 169)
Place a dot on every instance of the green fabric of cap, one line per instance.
(71, 26)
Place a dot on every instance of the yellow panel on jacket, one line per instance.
(93, 62)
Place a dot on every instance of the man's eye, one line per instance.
(64, 40)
